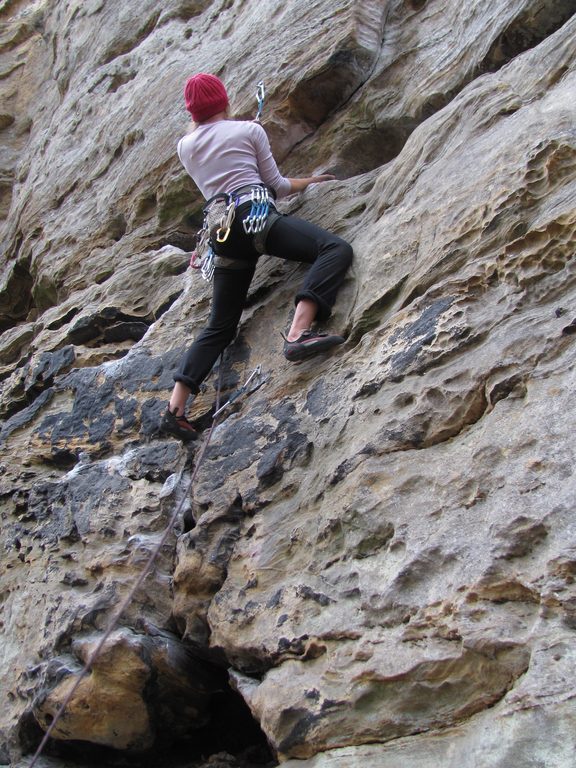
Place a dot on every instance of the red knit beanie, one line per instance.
(205, 96)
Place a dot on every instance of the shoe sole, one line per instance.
(186, 436)
(304, 351)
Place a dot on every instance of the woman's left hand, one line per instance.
(299, 185)
(321, 178)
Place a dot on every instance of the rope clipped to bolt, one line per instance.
(260, 96)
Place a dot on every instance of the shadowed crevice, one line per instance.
(527, 31)
(362, 149)
(16, 299)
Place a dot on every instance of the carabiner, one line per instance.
(222, 234)
(226, 223)
(207, 269)
(260, 96)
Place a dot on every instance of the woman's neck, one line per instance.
(215, 118)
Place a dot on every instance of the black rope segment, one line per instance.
(130, 596)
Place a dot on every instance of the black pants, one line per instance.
(289, 238)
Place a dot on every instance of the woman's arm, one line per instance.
(299, 185)
(268, 169)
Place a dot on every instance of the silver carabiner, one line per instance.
(207, 269)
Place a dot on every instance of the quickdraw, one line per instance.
(208, 265)
(256, 219)
(255, 378)
(218, 218)
(260, 96)
(226, 222)
(203, 256)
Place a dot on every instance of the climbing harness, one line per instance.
(260, 96)
(219, 214)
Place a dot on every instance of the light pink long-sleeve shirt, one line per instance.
(229, 154)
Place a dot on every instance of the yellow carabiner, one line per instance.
(221, 238)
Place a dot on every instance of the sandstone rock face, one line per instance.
(378, 548)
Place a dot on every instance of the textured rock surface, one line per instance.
(380, 545)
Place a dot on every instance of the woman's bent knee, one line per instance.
(347, 253)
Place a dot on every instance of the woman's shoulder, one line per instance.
(247, 126)
(184, 144)
(187, 138)
(222, 130)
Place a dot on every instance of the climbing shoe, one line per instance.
(178, 426)
(310, 343)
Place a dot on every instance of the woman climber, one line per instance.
(231, 160)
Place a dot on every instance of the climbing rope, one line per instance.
(147, 567)
(260, 97)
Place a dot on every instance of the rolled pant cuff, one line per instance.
(324, 309)
(187, 381)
